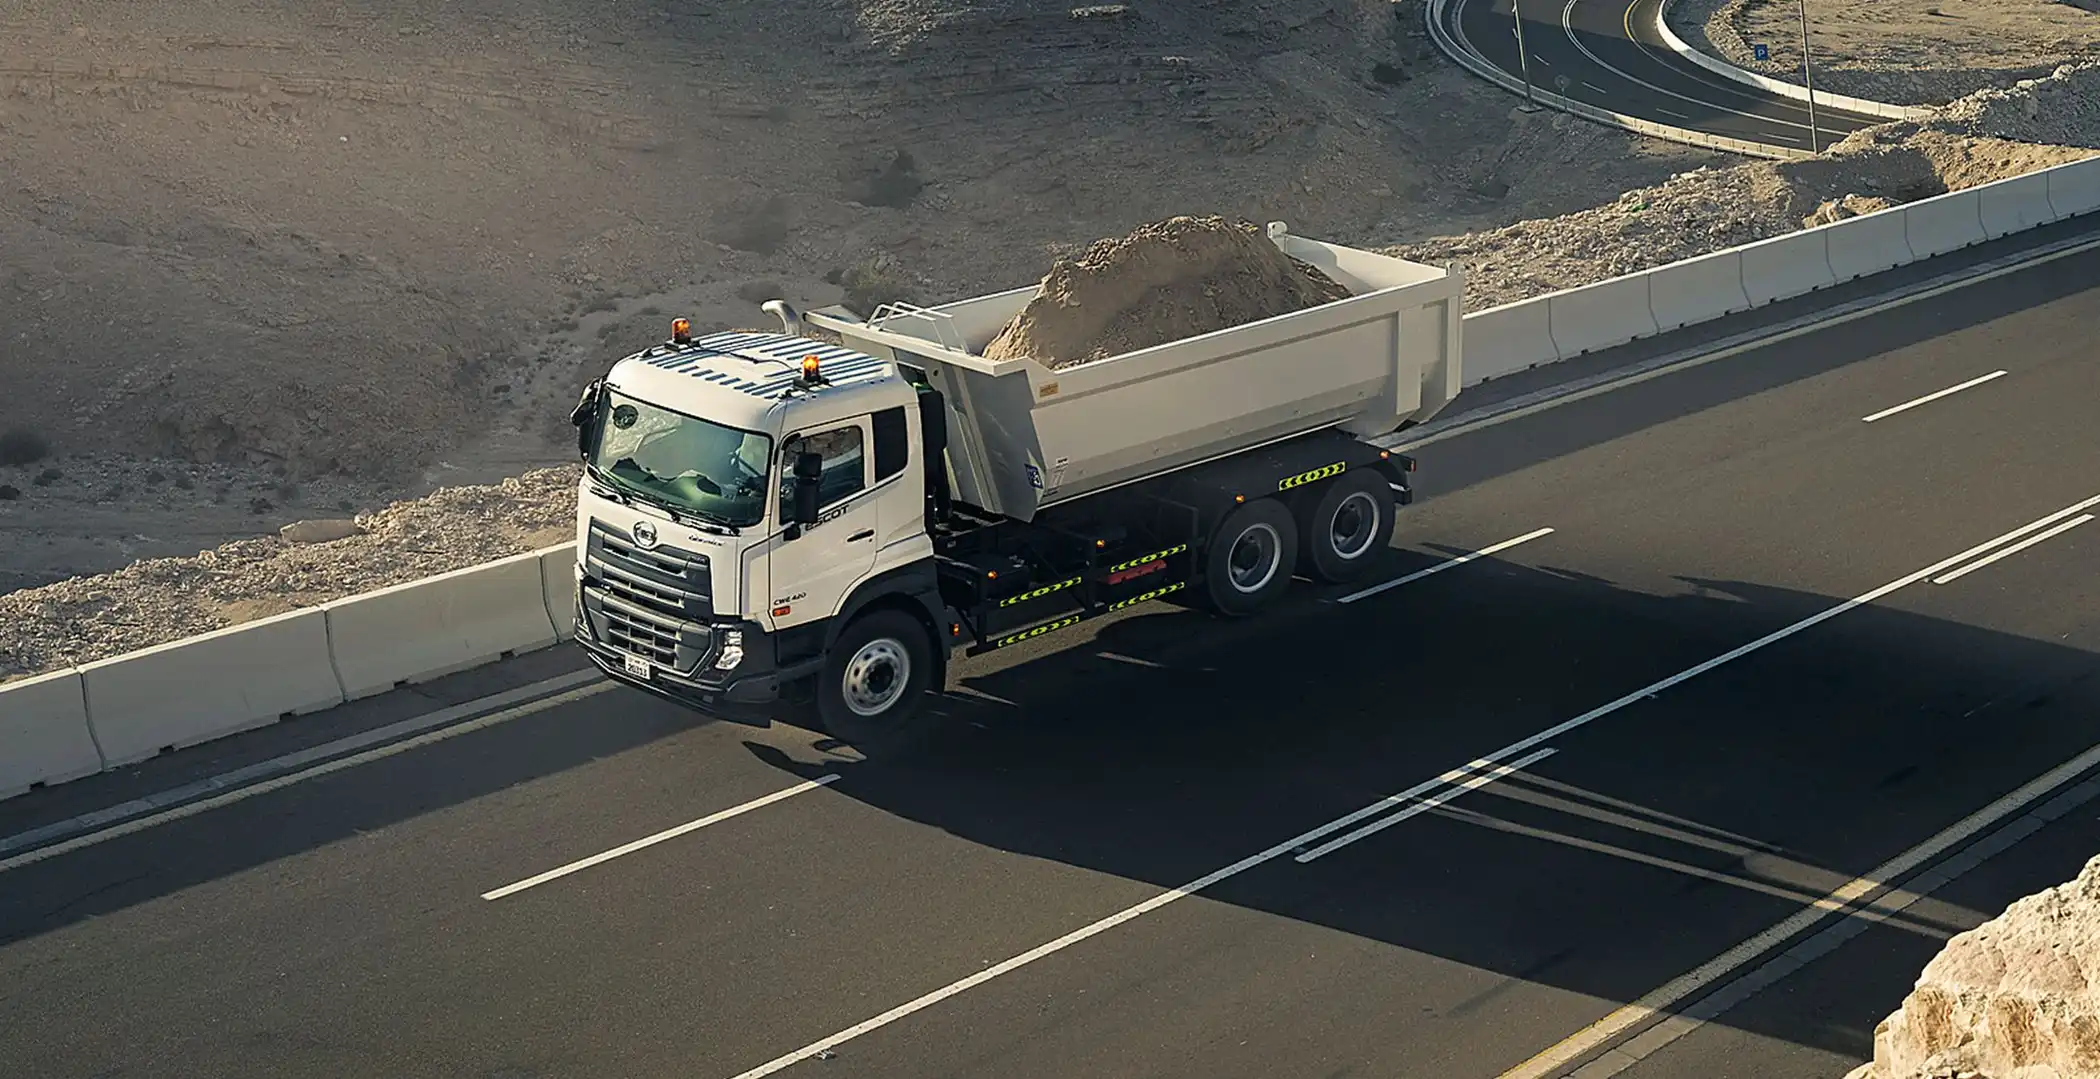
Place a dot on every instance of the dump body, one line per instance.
(1023, 437)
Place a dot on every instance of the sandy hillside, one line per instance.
(1905, 52)
(302, 255)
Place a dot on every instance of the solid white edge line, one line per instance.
(1857, 921)
(1500, 771)
(1295, 842)
(1444, 565)
(1930, 397)
(95, 820)
(189, 809)
(2012, 550)
(1558, 1056)
(650, 841)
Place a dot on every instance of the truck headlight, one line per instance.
(732, 650)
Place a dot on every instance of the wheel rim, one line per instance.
(1253, 560)
(1353, 526)
(876, 676)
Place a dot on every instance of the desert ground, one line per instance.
(1903, 52)
(301, 259)
(266, 266)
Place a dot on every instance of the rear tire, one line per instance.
(875, 680)
(1248, 564)
(1345, 526)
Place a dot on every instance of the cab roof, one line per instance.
(761, 365)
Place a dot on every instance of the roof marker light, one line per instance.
(681, 331)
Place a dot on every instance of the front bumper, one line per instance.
(747, 700)
(742, 694)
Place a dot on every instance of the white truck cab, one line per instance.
(697, 577)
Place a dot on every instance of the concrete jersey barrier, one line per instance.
(1600, 316)
(1511, 338)
(2014, 205)
(1943, 223)
(558, 587)
(1869, 244)
(210, 686)
(1557, 326)
(44, 735)
(2074, 189)
(1697, 290)
(1787, 266)
(439, 625)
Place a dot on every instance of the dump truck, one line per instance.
(769, 517)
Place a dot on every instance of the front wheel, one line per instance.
(875, 679)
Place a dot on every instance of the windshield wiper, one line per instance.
(606, 486)
(628, 496)
(711, 522)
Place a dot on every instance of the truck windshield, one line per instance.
(714, 472)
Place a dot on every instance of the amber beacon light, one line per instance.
(681, 331)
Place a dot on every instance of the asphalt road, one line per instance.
(338, 926)
(1606, 53)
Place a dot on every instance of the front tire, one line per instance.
(1248, 564)
(875, 679)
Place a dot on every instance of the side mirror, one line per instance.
(583, 417)
(809, 467)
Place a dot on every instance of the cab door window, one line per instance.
(845, 464)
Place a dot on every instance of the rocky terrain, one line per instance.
(1903, 52)
(279, 328)
(358, 252)
(2014, 996)
(1990, 135)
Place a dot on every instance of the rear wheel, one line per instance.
(1345, 525)
(1248, 565)
(875, 679)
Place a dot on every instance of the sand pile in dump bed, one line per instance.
(1164, 281)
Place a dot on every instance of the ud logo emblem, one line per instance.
(644, 535)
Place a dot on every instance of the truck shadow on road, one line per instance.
(1657, 837)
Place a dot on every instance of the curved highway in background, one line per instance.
(1607, 53)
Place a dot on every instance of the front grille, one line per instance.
(642, 592)
(665, 580)
(666, 560)
(641, 635)
(654, 603)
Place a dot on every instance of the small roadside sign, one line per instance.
(1762, 52)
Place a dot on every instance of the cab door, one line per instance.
(812, 574)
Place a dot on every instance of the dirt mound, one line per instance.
(1163, 281)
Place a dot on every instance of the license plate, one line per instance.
(637, 666)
